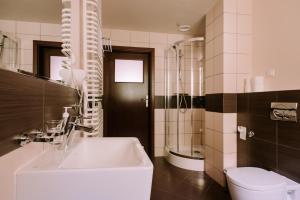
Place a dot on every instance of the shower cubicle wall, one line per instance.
(184, 98)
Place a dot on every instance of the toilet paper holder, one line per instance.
(284, 111)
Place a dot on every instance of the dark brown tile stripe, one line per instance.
(26, 102)
(275, 145)
(222, 103)
(198, 102)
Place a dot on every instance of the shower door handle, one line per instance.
(146, 100)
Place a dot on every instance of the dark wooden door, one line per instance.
(126, 112)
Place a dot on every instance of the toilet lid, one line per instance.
(253, 178)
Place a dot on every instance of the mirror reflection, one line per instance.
(30, 37)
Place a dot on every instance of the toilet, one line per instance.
(252, 183)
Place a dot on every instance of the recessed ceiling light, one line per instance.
(184, 28)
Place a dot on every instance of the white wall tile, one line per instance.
(244, 7)
(26, 57)
(32, 28)
(229, 42)
(230, 6)
(51, 38)
(229, 63)
(230, 23)
(26, 41)
(106, 32)
(139, 44)
(159, 115)
(159, 128)
(230, 160)
(159, 49)
(244, 63)
(158, 38)
(50, 29)
(244, 43)
(159, 89)
(120, 35)
(159, 141)
(8, 26)
(159, 151)
(172, 38)
(159, 63)
(244, 24)
(139, 36)
(229, 143)
(229, 83)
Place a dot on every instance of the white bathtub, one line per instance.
(95, 169)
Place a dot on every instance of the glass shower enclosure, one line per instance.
(184, 98)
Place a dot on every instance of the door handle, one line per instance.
(146, 100)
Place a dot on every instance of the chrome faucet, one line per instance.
(72, 124)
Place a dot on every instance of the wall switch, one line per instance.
(243, 132)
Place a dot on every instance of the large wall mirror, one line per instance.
(30, 37)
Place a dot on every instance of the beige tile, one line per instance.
(8, 26)
(120, 35)
(159, 89)
(242, 84)
(229, 63)
(218, 84)
(209, 32)
(230, 6)
(209, 85)
(139, 36)
(220, 177)
(209, 137)
(26, 41)
(159, 49)
(159, 76)
(159, 128)
(229, 83)
(218, 64)
(218, 45)
(26, 57)
(172, 38)
(218, 26)
(159, 141)
(50, 29)
(229, 122)
(158, 152)
(230, 23)
(244, 63)
(210, 16)
(218, 9)
(159, 115)
(159, 63)
(139, 44)
(218, 141)
(51, 38)
(209, 67)
(120, 43)
(158, 38)
(244, 7)
(244, 24)
(229, 143)
(209, 155)
(32, 28)
(230, 160)
(229, 42)
(209, 120)
(209, 51)
(244, 43)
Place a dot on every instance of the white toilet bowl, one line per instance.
(251, 183)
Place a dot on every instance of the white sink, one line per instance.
(94, 169)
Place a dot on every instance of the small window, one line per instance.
(129, 71)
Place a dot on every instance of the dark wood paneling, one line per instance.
(57, 97)
(276, 144)
(21, 105)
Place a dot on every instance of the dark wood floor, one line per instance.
(173, 183)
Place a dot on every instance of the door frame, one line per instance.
(151, 55)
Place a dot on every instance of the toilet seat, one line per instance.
(252, 178)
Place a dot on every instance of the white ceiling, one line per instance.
(156, 15)
(143, 15)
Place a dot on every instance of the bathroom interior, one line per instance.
(149, 100)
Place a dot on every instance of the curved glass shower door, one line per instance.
(184, 101)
